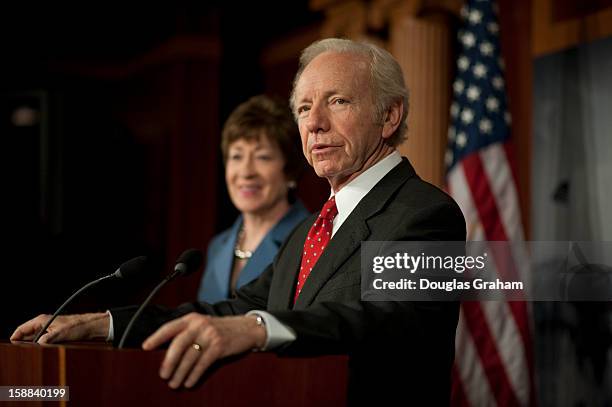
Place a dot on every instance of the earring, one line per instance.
(291, 184)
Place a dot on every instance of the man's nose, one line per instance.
(317, 120)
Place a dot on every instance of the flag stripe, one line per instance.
(484, 198)
(460, 189)
(496, 166)
(468, 372)
(487, 209)
(508, 340)
(476, 175)
(489, 357)
(458, 393)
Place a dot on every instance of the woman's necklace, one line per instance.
(238, 252)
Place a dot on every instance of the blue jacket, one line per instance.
(214, 286)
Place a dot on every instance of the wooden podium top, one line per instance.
(99, 375)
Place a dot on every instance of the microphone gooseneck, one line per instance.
(127, 270)
(188, 262)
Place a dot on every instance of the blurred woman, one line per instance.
(263, 160)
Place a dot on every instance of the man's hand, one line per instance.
(217, 337)
(64, 328)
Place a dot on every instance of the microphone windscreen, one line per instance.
(189, 261)
(132, 267)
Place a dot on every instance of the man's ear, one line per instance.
(392, 119)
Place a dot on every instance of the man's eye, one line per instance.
(302, 109)
(340, 101)
(235, 157)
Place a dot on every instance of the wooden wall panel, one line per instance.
(169, 99)
(558, 25)
(423, 49)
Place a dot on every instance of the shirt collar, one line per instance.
(353, 192)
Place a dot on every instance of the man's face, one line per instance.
(335, 110)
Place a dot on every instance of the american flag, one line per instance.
(494, 359)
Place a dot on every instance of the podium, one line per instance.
(99, 375)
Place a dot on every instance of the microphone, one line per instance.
(188, 262)
(127, 270)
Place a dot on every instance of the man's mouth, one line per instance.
(321, 148)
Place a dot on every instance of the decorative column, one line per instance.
(423, 47)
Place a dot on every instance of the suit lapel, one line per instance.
(215, 286)
(343, 244)
(285, 275)
(267, 249)
(353, 231)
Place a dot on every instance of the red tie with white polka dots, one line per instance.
(319, 235)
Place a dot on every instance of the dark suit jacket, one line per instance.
(398, 350)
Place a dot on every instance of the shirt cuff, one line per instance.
(111, 330)
(277, 333)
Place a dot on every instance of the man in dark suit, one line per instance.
(351, 104)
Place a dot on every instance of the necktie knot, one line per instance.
(330, 210)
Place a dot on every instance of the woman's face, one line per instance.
(254, 175)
